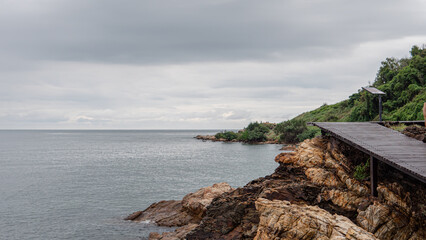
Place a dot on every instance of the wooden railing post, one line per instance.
(373, 176)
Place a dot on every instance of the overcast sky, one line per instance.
(191, 64)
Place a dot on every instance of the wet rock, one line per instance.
(185, 214)
(163, 213)
(178, 234)
(289, 147)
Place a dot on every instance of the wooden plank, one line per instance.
(384, 144)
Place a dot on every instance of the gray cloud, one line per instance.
(191, 31)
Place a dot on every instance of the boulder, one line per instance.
(283, 220)
(196, 203)
(185, 214)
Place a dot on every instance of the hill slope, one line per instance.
(403, 81)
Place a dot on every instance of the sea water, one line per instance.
(72, 184)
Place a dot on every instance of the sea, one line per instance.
(80, 184)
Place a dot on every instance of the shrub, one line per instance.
(309, 133)
(219, 135)
(290, 130)
(362, 171)
(255, 132)
(399, 127)
(255, 126)
(228, 135)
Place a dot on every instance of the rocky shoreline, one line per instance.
(214, 139)
(311, 195)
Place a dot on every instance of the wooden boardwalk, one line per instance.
(391, 147)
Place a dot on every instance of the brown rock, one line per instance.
(416, 132)
(178, 234)
(347, 200)
(311, 195)
(286, 158)
(196, 203)
(289, 148)
(321, 176)
(283, 220)
(206, 138)
(394, 199)
(164, 213)
(374, 216)
(233, 215)
(185, 214)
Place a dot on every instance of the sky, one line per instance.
(191, 64)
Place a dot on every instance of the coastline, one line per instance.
(214, 139)
(313, 185)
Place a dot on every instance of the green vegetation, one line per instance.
(399, 127)
(362, 171)
(291, 131)
(228, 135)
(254, 132)
(295, 130)
(403, 81)
(311, 132)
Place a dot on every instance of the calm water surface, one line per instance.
(80, 184)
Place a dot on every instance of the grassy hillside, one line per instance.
(403, 81)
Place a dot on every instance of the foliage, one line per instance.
(362, 171)
(403, 81)
(254, 132)
(399, 127)
(228, 135)
(309, 133)
(271, 135)
(219, 135)
(290, 130)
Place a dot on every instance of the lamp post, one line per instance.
(376, 91)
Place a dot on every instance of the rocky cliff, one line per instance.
(311, 195)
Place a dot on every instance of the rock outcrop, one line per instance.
(283, 220)
(209, 138)
(416, 132)
(185, 214)
(214, 139)
(320, 174)
(311, 195)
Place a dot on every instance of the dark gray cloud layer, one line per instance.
(191, 63)
(134, 31)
